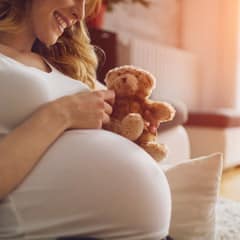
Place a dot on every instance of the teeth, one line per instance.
(62, 24)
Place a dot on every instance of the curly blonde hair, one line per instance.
(72, 54)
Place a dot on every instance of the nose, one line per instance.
(78, 11)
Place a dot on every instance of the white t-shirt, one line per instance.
(23, 89)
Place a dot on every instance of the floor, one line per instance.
(230, 187)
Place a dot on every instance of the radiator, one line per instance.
(176, 70)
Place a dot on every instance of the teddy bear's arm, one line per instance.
(160, 111)
(135, 107)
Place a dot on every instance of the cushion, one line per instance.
(194, 187)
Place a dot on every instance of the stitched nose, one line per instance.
(124, 80)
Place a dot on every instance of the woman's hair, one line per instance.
(72, 54)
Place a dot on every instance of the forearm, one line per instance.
(23, 147)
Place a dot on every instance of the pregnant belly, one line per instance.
(82, 150)
(83, 175)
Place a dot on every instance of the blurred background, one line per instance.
(192, 47)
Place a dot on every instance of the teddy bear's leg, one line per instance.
(132, 126)
(156, 150)
(149, 143)
(114, 126)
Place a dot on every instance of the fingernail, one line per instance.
(154, 129)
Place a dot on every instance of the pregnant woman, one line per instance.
(60, 173)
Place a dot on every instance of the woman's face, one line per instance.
(49, 18)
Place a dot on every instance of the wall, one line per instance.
(157, 23)
(149, 38)
(209, 30)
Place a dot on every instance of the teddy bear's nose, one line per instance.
(124, 80)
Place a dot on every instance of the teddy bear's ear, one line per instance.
(109, 79)
(114, 73)
(149, 81)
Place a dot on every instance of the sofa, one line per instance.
(175, 136)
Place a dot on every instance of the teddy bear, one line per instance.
(132, 108)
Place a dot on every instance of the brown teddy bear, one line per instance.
(133, 108)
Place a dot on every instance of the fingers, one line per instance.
(153, 129)
(108, 112)
(106, 118)
(107, 108)
(108, 95)
(99, 103)
(153, 123)
(148, 117)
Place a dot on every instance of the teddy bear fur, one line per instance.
(133, 87)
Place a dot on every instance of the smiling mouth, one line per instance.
(61, 22)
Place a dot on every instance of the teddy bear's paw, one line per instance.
(132, 126)
(163, 111)
(156, 150)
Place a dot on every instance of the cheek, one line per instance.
(42, 12)
(39, 16)
(45, 28)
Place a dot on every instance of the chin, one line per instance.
(49, 41)
(52, 42)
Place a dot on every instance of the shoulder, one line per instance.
(16, 80)
(7, 65)
(6, 53)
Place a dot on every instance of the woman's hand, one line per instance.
(152, 124)
(86, 110)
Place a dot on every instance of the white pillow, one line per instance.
(194, 186)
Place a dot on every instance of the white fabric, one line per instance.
(85, 184)
(89, 182)
(23, 89)
(194, 187)
(177, 142)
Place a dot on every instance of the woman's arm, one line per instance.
(23, 147)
